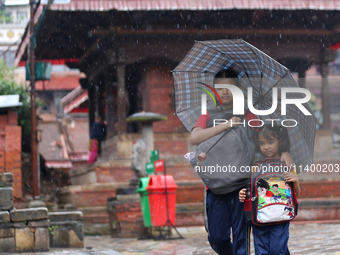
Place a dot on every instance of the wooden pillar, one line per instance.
(121, 98)
(100, 98)
(109, 102)
(91, 90)
(302, 79)
(326, 105)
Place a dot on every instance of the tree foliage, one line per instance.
(8, 86)
(5, 16)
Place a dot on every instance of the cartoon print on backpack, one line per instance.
(263, 192)
(273, 190)
(276, 193)
(290, 211)
(274, 199)
(288, 193)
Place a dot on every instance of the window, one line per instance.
(22, 17)
(8, 57)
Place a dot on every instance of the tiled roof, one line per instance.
(74, 99)
(134, 5)
(60, 81)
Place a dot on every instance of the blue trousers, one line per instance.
(225, 212)
(271, 240)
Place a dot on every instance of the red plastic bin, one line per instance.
(157, 199)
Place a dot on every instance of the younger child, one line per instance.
(272, 141)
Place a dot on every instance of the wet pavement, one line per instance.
(304, 239)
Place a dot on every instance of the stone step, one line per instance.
(319, 202)
(99, 214)
(319, 188)
(319, 209)
(97, 221)
(95, 215)
(96, 194)
(88, 195)
(318, 214)
(191, 191)
(120, 171)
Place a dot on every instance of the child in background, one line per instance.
(272, 141)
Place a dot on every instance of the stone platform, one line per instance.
(305, 239)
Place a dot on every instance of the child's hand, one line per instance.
(290, 177)
(233, 122)
(242, 195)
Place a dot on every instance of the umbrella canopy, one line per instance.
(254, 69)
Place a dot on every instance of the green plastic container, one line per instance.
(144, 200)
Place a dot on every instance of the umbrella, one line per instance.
(254, 69)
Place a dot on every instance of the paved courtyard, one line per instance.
(304, 239)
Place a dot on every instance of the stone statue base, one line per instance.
(134, 182)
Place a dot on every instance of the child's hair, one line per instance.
(279, 132)
(262, 184)
(227, 73)
(275, 185)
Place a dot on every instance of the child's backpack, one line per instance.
(272, 200)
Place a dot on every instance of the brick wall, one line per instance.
(160, 84)
(10, 150)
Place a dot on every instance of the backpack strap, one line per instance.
(251, 116)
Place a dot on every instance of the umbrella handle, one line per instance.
(202, 157)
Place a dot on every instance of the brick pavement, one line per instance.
(313, 238)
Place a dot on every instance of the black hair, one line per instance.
(279, 132)
(226, 73)
(262, 184)
(287, 183)
(275, 185)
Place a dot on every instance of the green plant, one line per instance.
(8, 86)
(52, 228)
(5, 16)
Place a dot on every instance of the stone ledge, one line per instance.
(76, 226)
(40, 213)
(13, 225)
(97, 229)
(111, 185)
(65, 216)
(90, 187)
(39, 223)
(81, 170)
(188, 207)
(127, 197)
(170, 161)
